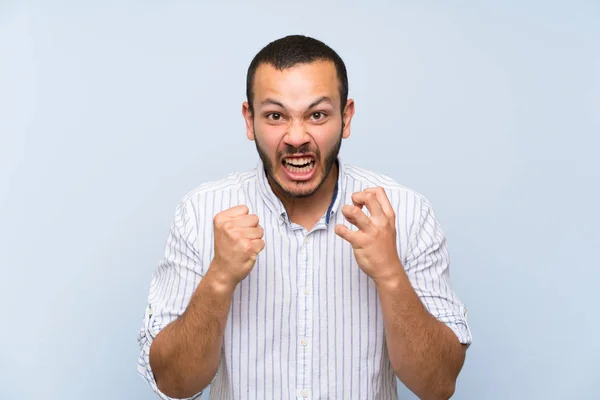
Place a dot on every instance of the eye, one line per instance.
(274, 116)
(317, 115)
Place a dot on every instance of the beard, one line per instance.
(327, 165)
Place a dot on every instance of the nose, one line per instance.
(297, 136)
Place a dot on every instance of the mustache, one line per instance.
(291, 150)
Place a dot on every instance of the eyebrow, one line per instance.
(322, 99)
(315, 103)
(271, 101)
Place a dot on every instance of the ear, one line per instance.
(248, 117)
(347, 118)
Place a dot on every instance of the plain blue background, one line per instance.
(110, 111)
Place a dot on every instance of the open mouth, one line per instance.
(299, 168)
(299, 165)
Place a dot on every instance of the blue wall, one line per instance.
(111, 111)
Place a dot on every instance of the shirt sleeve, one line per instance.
(428, 268)
(172, 285)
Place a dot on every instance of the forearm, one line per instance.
(185, 355)
(425, 354)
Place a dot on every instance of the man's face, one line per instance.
(297, 124)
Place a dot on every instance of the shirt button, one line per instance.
(305, 393)
(307, 240)
(307, 291)
(303, 342)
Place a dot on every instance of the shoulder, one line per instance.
(399, 194)
(228, 183)
(218, 190)
(414, 212)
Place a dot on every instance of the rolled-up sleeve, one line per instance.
(172, 285)
(428, 268)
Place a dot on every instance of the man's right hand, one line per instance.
(238, 240)
(182, 364)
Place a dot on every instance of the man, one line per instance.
(305, 277)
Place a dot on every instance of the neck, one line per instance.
(307, 211)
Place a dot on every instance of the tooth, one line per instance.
(298, 161)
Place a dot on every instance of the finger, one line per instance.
(369, 199)
(386, 206)
(257, 245)
(246, 221)
(356, 203)
(236, 211)
(252, 233)
(345, 233)
(356, 217)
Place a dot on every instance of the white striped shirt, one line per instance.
(306, 323)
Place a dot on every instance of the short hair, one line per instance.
(292, 50)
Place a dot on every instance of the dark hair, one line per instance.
(293, 50)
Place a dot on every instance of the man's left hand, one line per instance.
(374, 243)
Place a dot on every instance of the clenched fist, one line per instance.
(238, 240)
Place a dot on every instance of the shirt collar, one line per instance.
(276, 206)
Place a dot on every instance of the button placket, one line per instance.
(305, 317)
